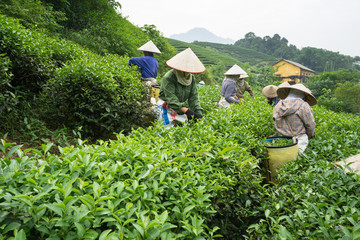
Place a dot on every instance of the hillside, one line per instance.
(212, 53)
(240, 53)
(207, 56)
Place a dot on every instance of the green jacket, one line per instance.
(177, 94)
(241, 89)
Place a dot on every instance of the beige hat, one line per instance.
(270, 91)
(149, 47)
(284, 84)
(243, 76)
(186, 61)
(236, 70)
(353, 162)
(282, 93)
(202, 82)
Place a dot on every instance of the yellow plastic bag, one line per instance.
(154, 92)
(279, 155)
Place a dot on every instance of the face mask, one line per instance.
(183, 78)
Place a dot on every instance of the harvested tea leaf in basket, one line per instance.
(277, 142)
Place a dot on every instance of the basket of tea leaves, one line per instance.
(280, 150)
(277, 142)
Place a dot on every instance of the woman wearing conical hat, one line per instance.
(242, 85)
(270, 93)
(228, 86)
(293, 116)
(178, 90)
(148, 64)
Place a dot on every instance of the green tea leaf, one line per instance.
(104, 234)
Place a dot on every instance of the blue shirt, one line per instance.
(148, 66)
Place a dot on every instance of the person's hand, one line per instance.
(184, 109)
(198, 116)
(191, 115)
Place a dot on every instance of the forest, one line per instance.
(80, 159)
(320, 60)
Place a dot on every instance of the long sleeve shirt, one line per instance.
(293, 117)
(241, 90)
(148, 66)
(177, 94)
(228, 91)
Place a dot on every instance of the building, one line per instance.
(292, 72)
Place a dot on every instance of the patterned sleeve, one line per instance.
(308, 119)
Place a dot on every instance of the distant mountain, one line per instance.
(201, 35)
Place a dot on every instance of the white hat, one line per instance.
(202, 82)
(149, 47)
(186, 61)
(282, 93)
(236, 70)
(270, 91)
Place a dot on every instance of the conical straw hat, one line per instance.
(284, 84)
(236, 70)
(270, 91)
(243, 76)
(353, 162)
(282, 93)
(186, 61)
(149, 47)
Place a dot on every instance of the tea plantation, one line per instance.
(203, 180)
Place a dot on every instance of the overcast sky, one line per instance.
(329, 24)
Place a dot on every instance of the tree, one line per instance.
(349, 93)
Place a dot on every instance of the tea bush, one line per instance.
(8, 100)
(101, 95)
(178, 183)
(197, 181)
(77, 89)
(33, 55)
(5, 73)
(313, 200)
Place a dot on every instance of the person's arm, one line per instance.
(134, 61)
(168, 88)
(229, 93)
(308, 120)
(194, 102)
(248, 88)
(168, 94)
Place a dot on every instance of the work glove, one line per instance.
(191, 115)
